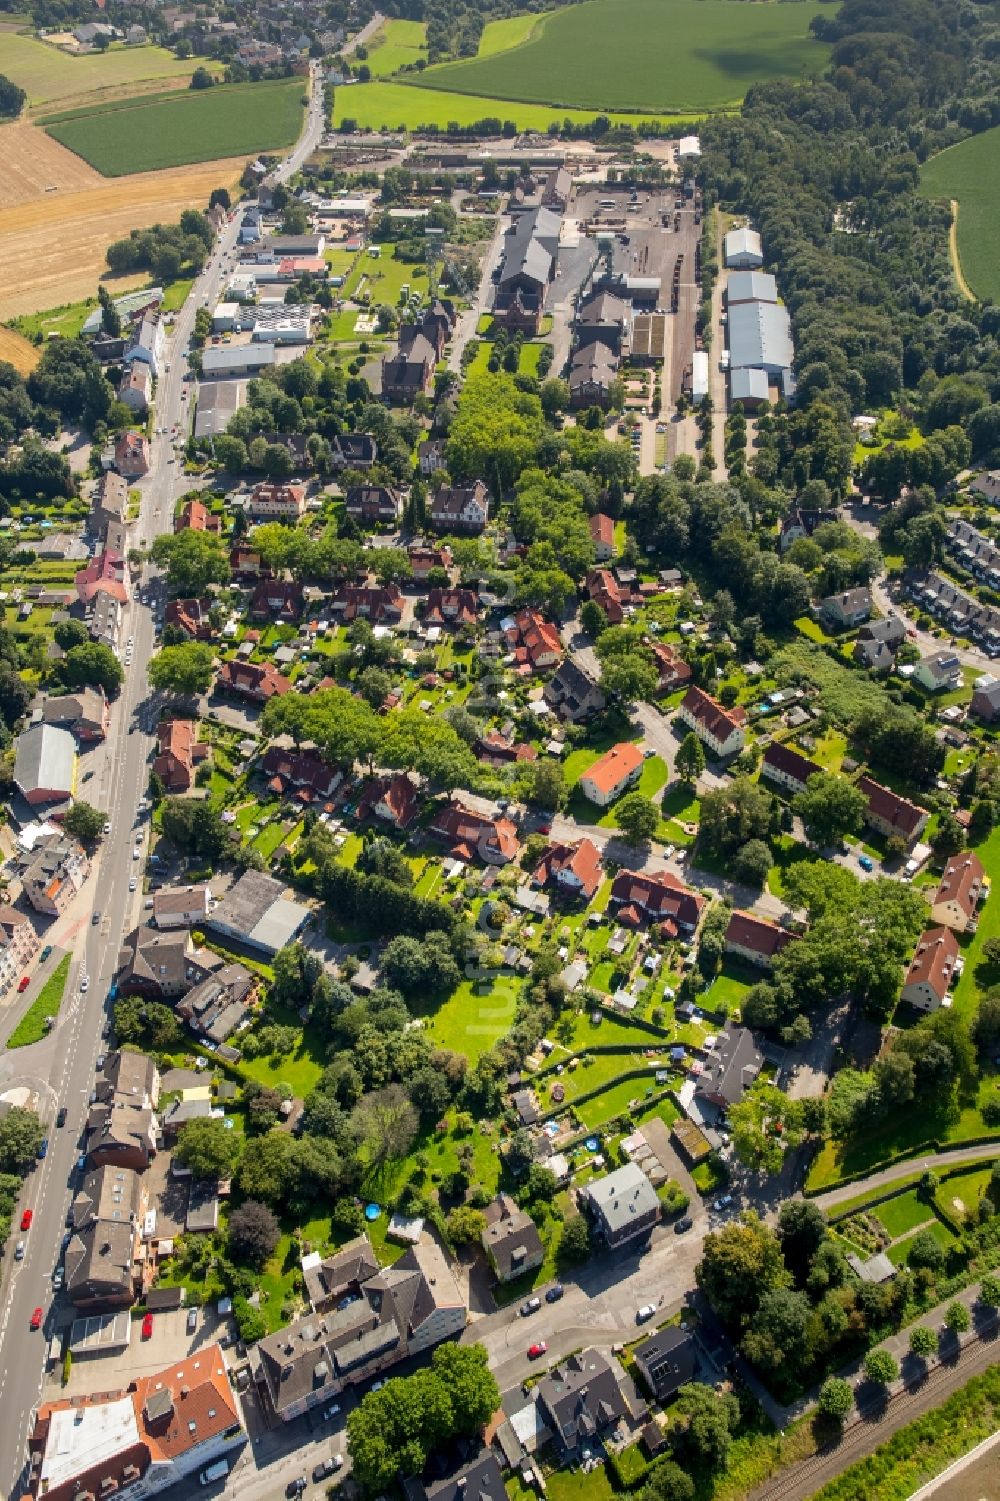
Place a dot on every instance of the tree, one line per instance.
(763, 1123)
(466, 1225)
(739, 1264)
(146, 1024)
(705, 1423)
(925, 1251)
(253, 1234)
(250, 1322)
(751, 863)
(201, 78)
(208, 1148)
(421, 968)
(12, 98)
(835, 1398)
(689, 762)
(830, 808)
(732, 814)
(21, 1135)
(546, 786)
(92, 665)
(628, 678)
(185, 669)
(465, 1371)
(195, 826)
(69, 633)
(989, 1291)
(638, 817)
(958, 1318)
(84, 823)
(801, 1232)
(385, 1123)
(778, 1336)
(574, 1243)
(266, 1172)
(667, 1482)
(219, 198)
(193, 561)
(923, 1341)
(374, 685)
(592, 618)
(880, 1367)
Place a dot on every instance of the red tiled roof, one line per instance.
(621, 761)
(602, 529)
(660, 896)
(746, 931)
(933, 961)
(583, 859)
(714, 719)
(961, 882)
(791, 762)
(904, 816)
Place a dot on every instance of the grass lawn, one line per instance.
(388, 105)
(527, 363)
(47, 74)
(379, 279)
(789, 852)
(727, 990)
(961, 1195)
(615, 1101)
(395, 44)
(696, 55)
(970, 174)
(138, 135)
(66, 320)
(806, 626)
(176, 294)
(905, 1213)
(299, 1069)
(471, 1022)
(31, 1027)
(898, 1253)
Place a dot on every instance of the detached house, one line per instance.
(755, 939)
(460, 508)
(985, 703)
(196, 517)
(602, 587)
(582, 1400)
(842, 612)
(423, 560)
(375, 504)
(511, 1240)
(616, 771)
(571, 869)
(536, 644)
(622, 1205)
(673, 671)
(191, 617)
(602, 531)
(889, 814)
(179, 751)
(469, 834)
(132, 455)
(393, 800)
(963, 887)
(86, 713)
(302, 773)
(730, 1069)
(931, 970)
(637, 898)
(573, 693)
(260, 683)
(720, 730)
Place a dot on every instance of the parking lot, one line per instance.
(169, 1343)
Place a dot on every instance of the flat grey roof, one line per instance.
(748, 385)
(223, 361)
(751, 286)
(44, 759)
(760, 336)
(216, 405)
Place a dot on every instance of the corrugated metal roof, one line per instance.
(760, 336)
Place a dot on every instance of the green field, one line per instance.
(691, 55)
(387, 105)
(395, 45)
(970, 173)
(49, 75)
(140, 135)
(31, 1028)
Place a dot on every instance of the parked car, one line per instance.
(329, 1413)
(554, 1293)
(192, 1320)
(147, 1326)
(532, 1306)
(724, 1201)
(36, 1319)
(328, 1467)
(645, 1313)
(57, 1278)
(866, 862)
(100, 1062)
(23, 984)
(46, 951)
(26, 1219)
(296, 1487)
(43, 1147)
(683, 1225)
(537, 1349)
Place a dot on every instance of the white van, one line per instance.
(215, 1472)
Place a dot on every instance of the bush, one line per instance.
(249, 1321)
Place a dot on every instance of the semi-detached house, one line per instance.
(573, 869)
(891, 815)
(276, 502)
(964, 885)
(932, 970)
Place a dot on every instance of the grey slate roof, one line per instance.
(44, 759)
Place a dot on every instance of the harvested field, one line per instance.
(32, 163)
(54, 246)
(18, 351)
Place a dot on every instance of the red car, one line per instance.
(534, 1351)
(36, 1319)
(147, 1326)
(23, 983)
(26, 1219)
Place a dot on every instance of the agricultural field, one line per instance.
(969, 175)
(387, 105)
(396, 44)
(32, 165)
(50, 76)
(141, 135)
(54, 246)
(16, 350)
(695, 55)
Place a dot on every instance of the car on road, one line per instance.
(100, 1062)
(36, 1319)
(866, 862)
(132, 884)
(107, 826)
(26, 1219)
(554, 1293)
(23, 983)
(57, 1278)
(96, 917)
(537, 1349)
(530, 1307)
(85, 985)
(329, 1413)
(61, 1116)
(682, 1225)
(192, 1320)
(46, 951)
(296, 1487)
(147, 1326)
(137, 853)
(328, 1467)
(19, 1251)
(645, 1313)
(43, 1147)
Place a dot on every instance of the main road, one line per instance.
(60, 1070)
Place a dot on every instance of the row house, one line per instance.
(460, 508)
(787, 768)
(131, 455)
(614, 773)
(179, 752)
(55, 874)
(891, 815)
(302, 774)
(259, 682)
(720, 730)
(935, 964)
(121, 1124)
(105, 574)
(380, 604)
(755, 940)
(974, 552)
(106, 1261)
(375, 505)
(277, 600)
(638, 899)
(572, 870)
(451, 607)
(963, 888)
(955, 609)
(468, 834)
(18, 942)
(220, 1003)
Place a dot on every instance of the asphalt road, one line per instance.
(60, 1070)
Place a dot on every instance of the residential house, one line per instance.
(393, 800)
(301, 774)
(132, 455)
(787, 768)
(196, 517)
(105, 1259)
(622, 1205)
(461, 1479)
(986, 486)
(460, 508)
(110, 504)
(162, 964)
(86, 713)
(801, 521)
(963, 887)
(424, 560)
(375, 504)
(247, 564)
(755, 939)
(179, 751)
(573, 870)
(842, 612)
(592, 373)
(380, 604)
(616, 771)
(720, 730)
(104, 620)
(932, 970)
(259, 682)
(18, 942)
(107, 573)
(354, 450)
(276, 502)
(279, 601)
(672, 670)
(582, 1400)
(469, 834)
(45, 764)
(498, 749)
(939, 673)
(451, 607)
(383, 1318)
(511, 1240)
(190, 616)
(135, 388)
(430, 456)
(535, 643)
(729, 1069)
(985, 703)
(573, 693)
(55, 873)
(891, 815)
(161, 1431)
(877, 644)
(147, 344)
(256, 913)
(666, 1361)
(181, 906)
(602, 587)
(121, 1125)
(220, 1003)
(638, 898)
